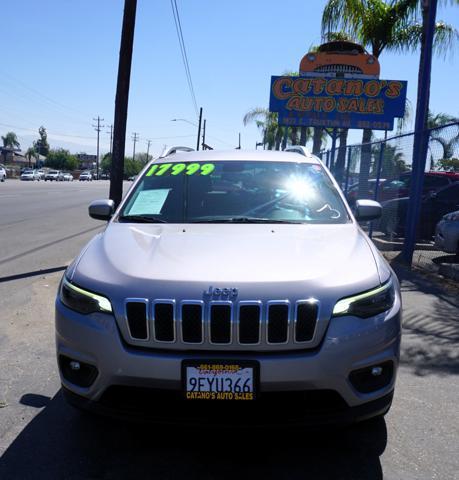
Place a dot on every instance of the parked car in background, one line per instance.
(447, 233)
(400, 187)
(2, 173)
(67, 177)
(85, 176)
(30, 175)
(53, 175)
(433, 207)
(105, 176)
(41, 174)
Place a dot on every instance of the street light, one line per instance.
(191, 123)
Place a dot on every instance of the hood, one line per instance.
(274, 257)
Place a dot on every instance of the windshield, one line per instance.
(235, 191)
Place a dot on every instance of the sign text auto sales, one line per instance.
(337, 102)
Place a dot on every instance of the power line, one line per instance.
(178, 27)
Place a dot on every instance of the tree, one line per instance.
(10, 140)
(132, 167)
(381, 25)
(61, 159)
(449, 164)
(106, 163)
(447, 138)
(42, 145)
(31, 152)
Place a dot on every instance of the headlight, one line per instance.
(81, 300)
(367, 304)
(451, 217)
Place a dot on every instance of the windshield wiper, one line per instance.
(140, 219)
(242, 220)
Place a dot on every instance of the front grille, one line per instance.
(224, 323)
(337, 68)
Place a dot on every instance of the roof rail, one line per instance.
(172, 150)
(299, 149)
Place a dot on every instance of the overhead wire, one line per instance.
(178, 27)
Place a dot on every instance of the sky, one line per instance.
(60, 58)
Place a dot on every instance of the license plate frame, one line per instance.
(222, 366)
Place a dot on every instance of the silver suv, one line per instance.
(231, 287)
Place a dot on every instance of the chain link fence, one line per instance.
(381, 170)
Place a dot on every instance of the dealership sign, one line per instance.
(337, 102)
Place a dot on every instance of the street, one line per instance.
(43, 226)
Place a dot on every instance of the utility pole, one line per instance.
(148, 149)
(421, 134)
(122, 100)
(111, 139)
(199, 128)
(97, 128)
(239, 147)
(204, 135)
(135, 139)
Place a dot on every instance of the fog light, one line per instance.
(79, 373)
(74, 365)
(372, 378)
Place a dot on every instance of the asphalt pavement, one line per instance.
(43, 226)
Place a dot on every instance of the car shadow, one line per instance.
(63, 443)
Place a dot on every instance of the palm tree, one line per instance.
(10, 140)
(31, 152)
(449, 143)
(381, 25)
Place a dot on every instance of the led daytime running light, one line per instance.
(104, 303)
(343, 305)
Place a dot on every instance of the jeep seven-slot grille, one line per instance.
(224, 323)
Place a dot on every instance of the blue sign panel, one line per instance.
(337, 102)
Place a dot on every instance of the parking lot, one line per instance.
(43, 226)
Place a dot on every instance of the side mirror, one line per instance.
(366, 210)
(101, 209)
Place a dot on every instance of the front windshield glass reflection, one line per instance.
(235, 191)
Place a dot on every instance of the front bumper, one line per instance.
(349, 344)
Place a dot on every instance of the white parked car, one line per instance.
(2, 173)
(30, 175)
(53, 175)
(68, 177)
(86, 177)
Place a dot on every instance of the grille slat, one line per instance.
(136, 313)
(306, 318)
(164, 322)
(277, 323)
(192, 323)
(220, 323)
(249, 324)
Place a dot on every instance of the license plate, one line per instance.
(220, 380)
